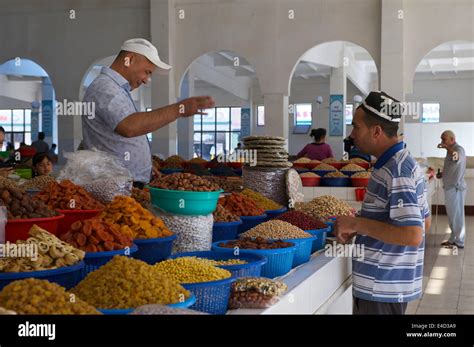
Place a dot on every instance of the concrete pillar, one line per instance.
(276, 115)
(162, 32)
(186, 125)
(337, 86)
(392, 48)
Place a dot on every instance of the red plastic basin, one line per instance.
(360, 194)
(337, 165)
(310, 181)
(71, 216)
(360, 182)
(17, 229)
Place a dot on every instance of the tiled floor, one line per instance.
(448, 278)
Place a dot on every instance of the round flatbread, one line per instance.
(263, 137)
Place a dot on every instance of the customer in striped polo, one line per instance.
(394, 215)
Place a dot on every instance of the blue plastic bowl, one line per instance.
(67, 276)
(335, 181)
(154, 250)
(185, 304)
(331, 226)
(248, 222)
(275, 213)
(238, 172)
(95, 260)
(350, 173)
(303, 250)
(253, 267)
(279, 261)
(211, 297)
(170, 171)
(322, 172)
(320, 240)
(225, 231)
(185, 202)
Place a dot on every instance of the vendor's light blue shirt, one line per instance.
(110, 92)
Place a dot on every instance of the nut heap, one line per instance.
(51, 252)
(68, 196)
(7, 183)
(184, 181)
(142, 196)
(324, 167)
(352, 167)
(301, 220)
(34, 296)
(223, 215)
(38, 183)
(125, 283)
(95, 235)
(276, 229)
(325, 206)
(330, 160)
(335, 174)
(134, 221)
(362, 174)
(255, 243)
(255, 292)
(262, 201)
(21, 206)
(309, 174)
(191, 270)
(241, 205)
(228, 184)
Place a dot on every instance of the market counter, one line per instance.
(320, 286)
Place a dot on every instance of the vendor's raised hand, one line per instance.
(442, 145)
(195, 105)
(344, 228)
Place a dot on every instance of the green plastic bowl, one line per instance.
(4, 155)
(185, 202)
(24, 173)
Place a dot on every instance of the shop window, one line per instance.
(149, 135)
(349, 113)
(303, 114)
(17, 125)
(216, 132)
(430, 112)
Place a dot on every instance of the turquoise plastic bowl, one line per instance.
(185, 202)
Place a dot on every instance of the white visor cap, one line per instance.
(145, 48)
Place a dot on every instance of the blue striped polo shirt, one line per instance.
(396, 194)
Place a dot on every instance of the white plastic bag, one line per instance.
(100, 173)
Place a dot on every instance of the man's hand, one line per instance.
(192, 106)
(344, 228)
(442, 145)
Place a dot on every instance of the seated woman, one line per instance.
(317, 150)
(42, 164)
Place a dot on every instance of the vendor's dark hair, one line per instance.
(39, 157)
(2, 130)
(318, 134)
(389, 128)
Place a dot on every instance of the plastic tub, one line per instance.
(302, 165)
(95, 260)
(335, 181)
(360, 194)
(310, 181)
(320, 239)
(122, 311)
(303, 249)
(17, 229)
(170, 171)
(71, 216)
(337, 165)
(225, 230)
(349, 173)
(360, 182)
(185, 202)
(279, 261)
(236, 165)
(248, 222)
(4, 154)
(154, 250)
(211, 297)
(253, 267)
(275, 213)
(24, 173)
(321, 173)
(67, 276)
(238, 172)
(330, 224)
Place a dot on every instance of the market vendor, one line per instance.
(42, 164)
(117, 127)
(318, 149)
(394, 215)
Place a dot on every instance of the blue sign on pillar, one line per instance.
(244, 122)
(47, 117)
(35, 107)
(336, 115)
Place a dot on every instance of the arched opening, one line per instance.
(443, 90)
(328, 82)
(27, 103)
(231, 80)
